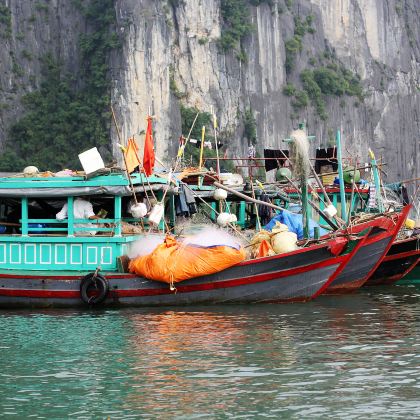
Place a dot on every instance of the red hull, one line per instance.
(371, 253)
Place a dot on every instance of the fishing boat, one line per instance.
(44, 261)
(376, 250)
(412, 277)
(385, 227)
(402, 257)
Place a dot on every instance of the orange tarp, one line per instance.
(172, 262)
(264, 249)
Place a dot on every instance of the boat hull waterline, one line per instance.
(296, 276)
(401, 258)
(370, 254)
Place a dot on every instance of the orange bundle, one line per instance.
(172, 262)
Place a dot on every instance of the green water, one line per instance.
(348, 357)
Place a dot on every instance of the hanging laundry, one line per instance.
(277, 154)
(264, 212)
(185, 204)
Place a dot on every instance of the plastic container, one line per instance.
(330, 211)
(156, 214)
(91, 161)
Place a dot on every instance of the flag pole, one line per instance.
(203, 132)
(215, 141)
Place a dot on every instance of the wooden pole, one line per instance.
(258, 224)
(376, 181)
(273, 206)
(314, 206)
(216, 145)
(340, 175)
(203, 132)
(339, 221)
(245, 197)
(352, 194)
(321, 186)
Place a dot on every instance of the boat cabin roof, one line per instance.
(116, 184)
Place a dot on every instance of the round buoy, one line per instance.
(348, 175)
(30, 171)
(94, 289)
(282, 174)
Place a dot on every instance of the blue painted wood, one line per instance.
(81, 253)
(117, 215)
(24, 207)
(71, 182)
(70, 217)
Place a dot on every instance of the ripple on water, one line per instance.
(350, 356)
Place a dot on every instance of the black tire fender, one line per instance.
(97, 283)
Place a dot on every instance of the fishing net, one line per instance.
(299, 154)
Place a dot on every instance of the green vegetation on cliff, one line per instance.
(69, 113)
(237, 24)
(328, 78)
(5, 22)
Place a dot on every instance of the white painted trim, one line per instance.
(26, 253)
(4, 254)
(42, 253)
(87, 255)
(71, 254)
(20, 254)
(56, 253)
(102, 255)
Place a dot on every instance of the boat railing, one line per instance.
(97, 225)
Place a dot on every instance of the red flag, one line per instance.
(149, 150)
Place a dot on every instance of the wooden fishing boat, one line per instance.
(368, 257)
(412, 277)
(401, 258)
(45, 263)
(384, 230)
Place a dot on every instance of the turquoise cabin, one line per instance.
(31, 238)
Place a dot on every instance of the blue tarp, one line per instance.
(295, 224)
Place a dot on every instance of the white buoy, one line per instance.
(220, 194)
(223, 219)
(138, 210)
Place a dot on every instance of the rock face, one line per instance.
(170, 56)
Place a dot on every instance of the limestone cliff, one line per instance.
(170, 55)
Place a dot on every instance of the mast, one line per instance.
(340, 177)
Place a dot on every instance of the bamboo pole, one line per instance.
(314, 206)
(340, 176)
(215, 142)
(273, 206)
(258, 224)
(352, 194)
(203, 132)
(339, 221)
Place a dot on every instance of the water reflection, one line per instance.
(351, 356)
